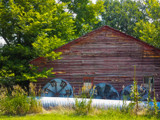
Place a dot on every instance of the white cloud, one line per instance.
(2, 40)
(94, 1)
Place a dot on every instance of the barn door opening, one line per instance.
(87, 84)
(148, 82)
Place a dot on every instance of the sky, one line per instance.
(2, 41)
(94, 1)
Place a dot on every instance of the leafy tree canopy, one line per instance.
(85, 14)
(31, 28)
(149, 31)
(123, 14)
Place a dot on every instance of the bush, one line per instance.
(82, 107)
(14, 103)
(17, 102)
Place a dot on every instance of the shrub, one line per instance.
(82, 107)
(17, 102)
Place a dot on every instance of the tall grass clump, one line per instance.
(125, 108)
(15, 101)
(155, 104)
(35, 105)
(83, 105)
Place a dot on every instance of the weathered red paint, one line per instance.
(108, 55)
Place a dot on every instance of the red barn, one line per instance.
(105, 55)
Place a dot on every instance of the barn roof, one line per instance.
(97, 31)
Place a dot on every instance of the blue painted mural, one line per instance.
(125, 93)
(61, 88)
(57, 88)
(105, 91)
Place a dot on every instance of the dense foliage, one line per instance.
(149, 31)
(123, 14)
(31, 28)
(139, 18)
(85, 14)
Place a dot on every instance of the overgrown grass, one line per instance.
(68, 114)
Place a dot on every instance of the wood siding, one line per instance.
(107, 55)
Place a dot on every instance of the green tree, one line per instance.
(31, 28)
(149, 31)
(85, 14)
(123, 14)
(22, 21)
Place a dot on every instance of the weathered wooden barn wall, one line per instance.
(107, 55)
